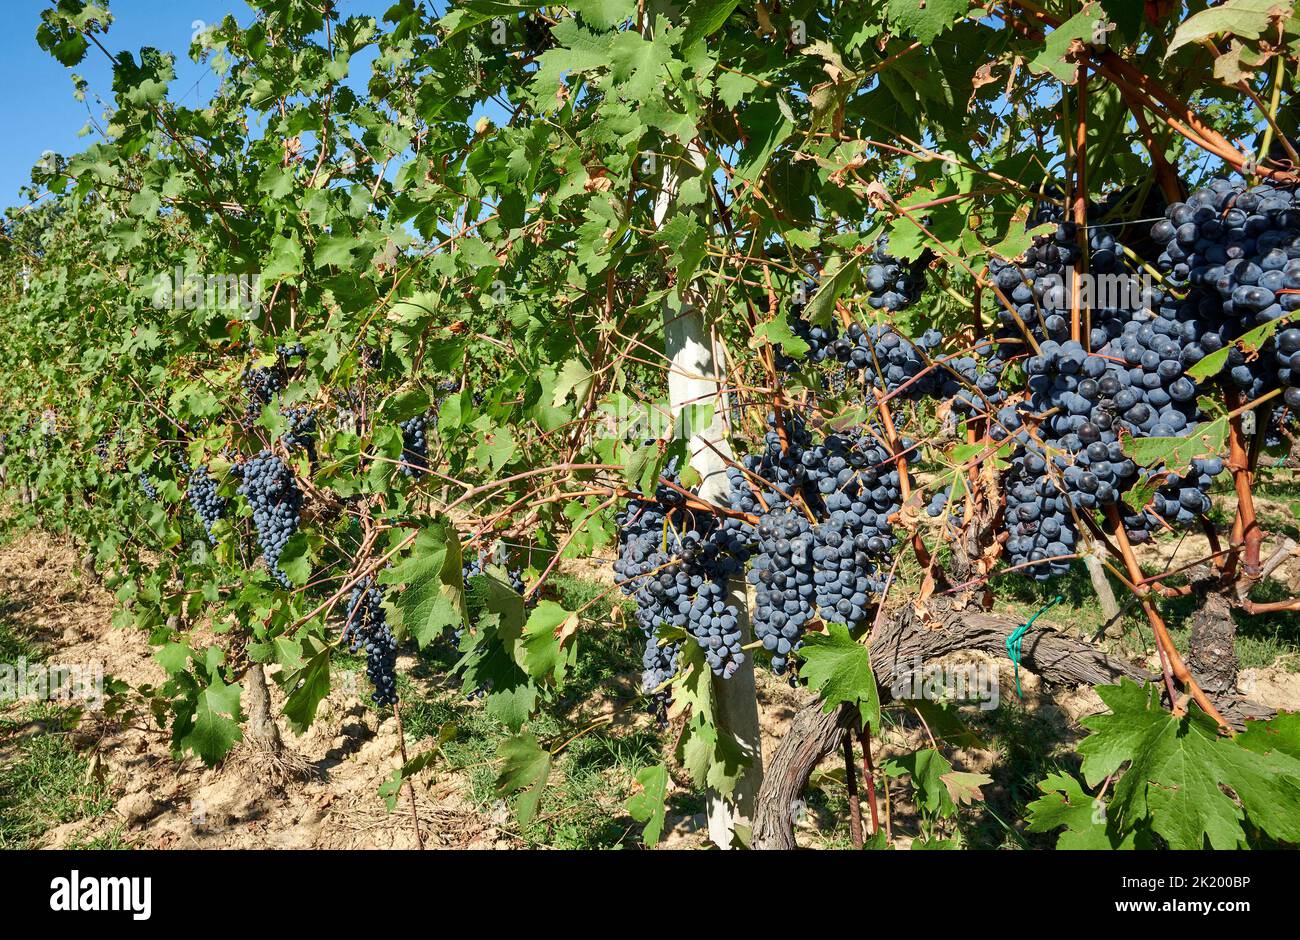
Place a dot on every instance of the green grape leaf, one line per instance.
(1205, 440)
(512, 705)
(1250, 342)
(285, 259)
(835, 281)
(210, 726)
(335, 250)
(777, 332)
(542, 652)
(604, 14)
(1055, 55)
(574, 377)
(1210, 365)
(525, 769)
(391, 788)
(1177, 769)
(433, 593)
(173, 657)
(1280, 733)
(924, 20)
(712, 757)
(838, 668)
(1064, 803)
(648, 806)
(927, 769)
(306, 685)
(295, 559)
(1245, 19)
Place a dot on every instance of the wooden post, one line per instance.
(1100, 584)
(694, 378)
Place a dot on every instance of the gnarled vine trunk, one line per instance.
(907, 639)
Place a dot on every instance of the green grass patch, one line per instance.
(43, 779)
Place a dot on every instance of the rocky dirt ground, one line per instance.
(165, 804)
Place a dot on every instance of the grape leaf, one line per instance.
(295, 559)
(511, 705)
(306, 685)
(213, 725)
(1177, 767)
(1210, 365)
(391, 788)
(541, 652)
(1055, 57)
(705, 17)
(1280, 733)
(648, 805)
(525, 769)
(839, 669)
(821, 307)
(574, 377)
(1205, 440)
(1064, 803)
(927, 768)
(604, 14)
(434, 594)
(1251, 341)
(285, 259)
(925, 19)
(964, 786)
(1247, 19)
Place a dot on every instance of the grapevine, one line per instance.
(835, 333)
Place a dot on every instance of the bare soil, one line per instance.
(163, 803)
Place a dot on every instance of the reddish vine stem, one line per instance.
(1077, 332)
(1176, 113)
(869, 776)
(1269, 607)
(1246, 531)
(559, 552)
(855, 806)
(1166, 176)
(904, 485)
(1163, 640)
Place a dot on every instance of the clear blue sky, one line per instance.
(37, 105)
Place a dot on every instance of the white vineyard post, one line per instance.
(695, 377)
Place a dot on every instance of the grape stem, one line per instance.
(904, 485)
(1163, 641)
(1177, 114)
(1077, 332)
(869, 776)
(851, 783)
(1246, 532)
(559, 553)
(410, 788)
(1170, 185)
